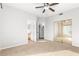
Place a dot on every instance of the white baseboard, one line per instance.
(13, 46)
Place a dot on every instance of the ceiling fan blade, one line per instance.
(44, 4)
(52, 9)
(53, 4)
(1, 5)
(39, 7)
(43, 11)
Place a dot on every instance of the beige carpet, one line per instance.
(43, 49)
(58, 53)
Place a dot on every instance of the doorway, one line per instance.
(40, 31)
(30, 32)
(63, 31)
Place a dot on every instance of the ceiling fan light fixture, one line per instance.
(47, 7)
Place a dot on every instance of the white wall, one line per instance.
(49, 29)
(13, 27)
(74, 15)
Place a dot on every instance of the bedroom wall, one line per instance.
(71, 14)
(13, 27)
(49, 29)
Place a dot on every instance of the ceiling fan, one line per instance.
(47, 6)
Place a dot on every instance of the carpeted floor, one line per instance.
(42, 49)
(58, 53)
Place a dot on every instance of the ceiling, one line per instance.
(30, 8)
